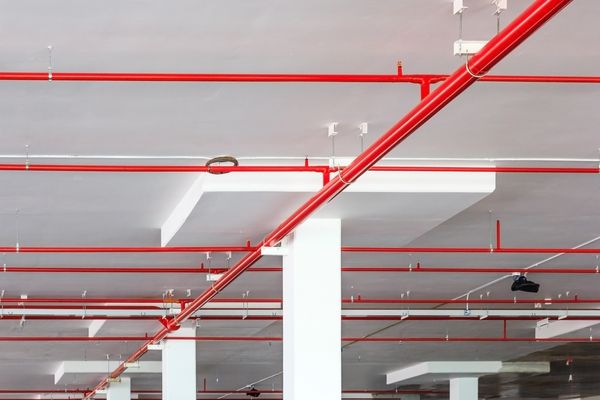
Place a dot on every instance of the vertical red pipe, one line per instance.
(497, 48)
(425, 88)
(497, 234)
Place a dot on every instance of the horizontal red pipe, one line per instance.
(468, 339)
(183, 77)
(356, 300)
(324, 78)
(289, 168)
(509, 170)
(221, 391)
(470, 301)
(160, 168)
(126, 300)
(237, 249)
(279, 318)
(374, 269)
(470, 270)
(278, 339)
(178, 249)
(510, 250)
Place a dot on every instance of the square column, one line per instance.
(312, 358)
(179, 366)
(119, 390)
(464, 388)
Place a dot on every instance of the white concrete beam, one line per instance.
(302, 182)
(95, 326)
(69, 368)
(182, 211)
(427, 372)
(444, 369)
(551, 329)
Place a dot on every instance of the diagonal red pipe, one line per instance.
(495, 50)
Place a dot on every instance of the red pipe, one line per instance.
(279, 339)
(495, 50)
(511, 250)
(173, 270)
(126, 300)
(272, 239)
(179, 249)
(358, 300)
(470, 270)
(469, 339)
(279, 318)
(322, 78)
(497, 235)
(222, 391)
(575, 300)
(323, 169)
(203, 270)
(160, 168)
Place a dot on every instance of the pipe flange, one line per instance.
(221, 159)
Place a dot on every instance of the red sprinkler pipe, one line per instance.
(367, 269)
(575, 300)
(272, 239)
(125, 300)
(279, 339)
(322, 169)
(470, 339)
(122, 302)
(471, 270)
(129, 270)
(179, 249)
(538, 13)
(216, 391)
(14, 317)
(508, 250)
(270, 78)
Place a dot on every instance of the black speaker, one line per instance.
(521, 284)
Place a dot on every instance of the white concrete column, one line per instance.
(119, 390)
(465, 388)
(179, 366)
(312, 367)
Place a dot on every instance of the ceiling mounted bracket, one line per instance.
(459, 7)
(49, 63)
(501, 6)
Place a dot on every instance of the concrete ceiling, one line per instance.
(491, 120)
